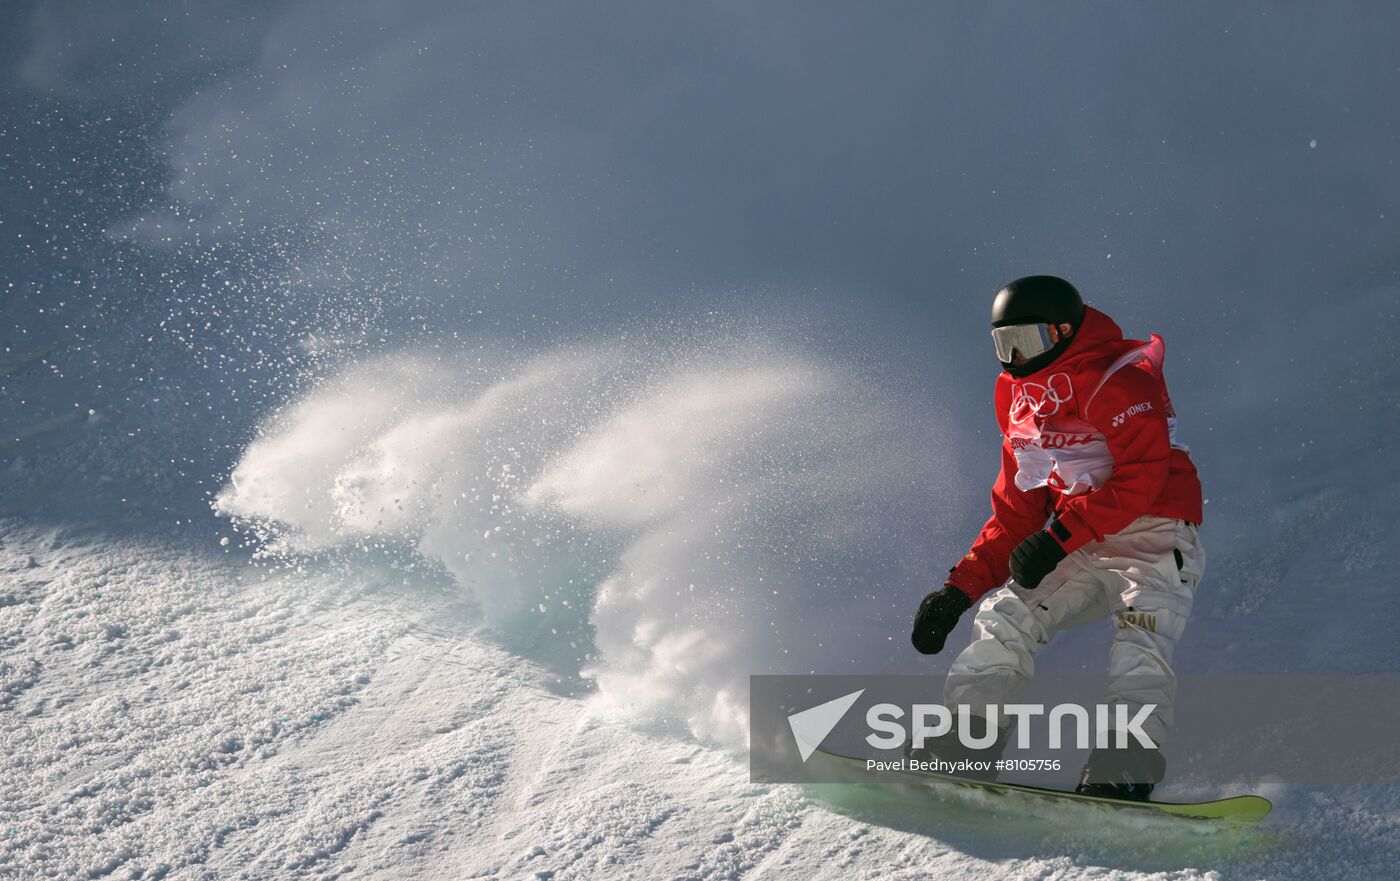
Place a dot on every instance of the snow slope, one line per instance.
(172, 712)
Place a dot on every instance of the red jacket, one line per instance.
(1090, 439)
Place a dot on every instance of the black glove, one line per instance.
(937, 616)
(1035, 558)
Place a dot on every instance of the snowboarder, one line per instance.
(1094, 515)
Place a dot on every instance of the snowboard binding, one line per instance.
(1129, 773)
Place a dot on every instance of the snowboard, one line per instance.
(1235, 810)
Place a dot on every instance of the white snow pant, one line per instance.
(1143, 578)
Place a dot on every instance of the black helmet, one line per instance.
(1034, 304)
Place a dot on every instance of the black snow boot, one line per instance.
(949, 748)
(1129, 773)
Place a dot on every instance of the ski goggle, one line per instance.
(1029, 340)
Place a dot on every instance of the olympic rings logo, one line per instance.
(1041, 400)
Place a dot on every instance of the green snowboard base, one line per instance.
(1239, 809)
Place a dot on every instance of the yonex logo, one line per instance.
(1131, 412)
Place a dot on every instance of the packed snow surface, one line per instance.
(171, 713)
